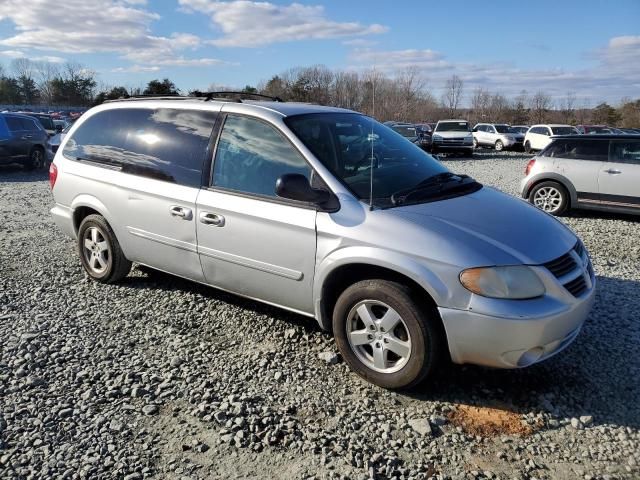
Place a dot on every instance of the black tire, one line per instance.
(550, 185)
(499, 146)
(527, 147)
(116, 264)
(421, 321)
(36, 159)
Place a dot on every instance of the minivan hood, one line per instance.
(504, 229)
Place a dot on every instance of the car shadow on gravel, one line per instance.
(158, 280)
(596, 375)
(17, 174)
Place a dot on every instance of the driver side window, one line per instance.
(252, 155)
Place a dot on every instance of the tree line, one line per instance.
(403, 96)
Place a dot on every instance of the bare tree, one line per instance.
(45, 72)
(568, 107)
(453, 94)
(480, 105)
(540, 105)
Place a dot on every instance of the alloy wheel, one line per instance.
(97, 252)
(378, 336)
(548, 199)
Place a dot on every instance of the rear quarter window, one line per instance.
(625, 151)
(163, 144)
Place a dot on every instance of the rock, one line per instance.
(421, 425)
(277, 376)
(65, 412)
(576, 424)
(150, 409)
(586, 420)
(330, 358)
(438, 420)
(176, 361)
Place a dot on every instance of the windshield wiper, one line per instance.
(433, 184)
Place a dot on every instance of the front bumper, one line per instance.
(517, 341)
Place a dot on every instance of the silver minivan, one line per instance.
(325, 212)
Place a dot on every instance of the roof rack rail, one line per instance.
(149, 96)
(237, 96)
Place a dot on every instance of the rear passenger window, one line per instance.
(579, 149)
(29, 124)
(252, 155)
(625, 151)
(14, 124)
(163, 144)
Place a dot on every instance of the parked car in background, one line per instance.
(56, 140)
(452, 136)
(591, 129)
(539, 136)
(287, 218)
(496, 135)
(417, 134)
(520, 129)
(23, 140)
(46, 121)
(599, 171)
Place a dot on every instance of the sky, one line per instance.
(590, 48)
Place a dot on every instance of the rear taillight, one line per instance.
(53, 175)
(530, 165)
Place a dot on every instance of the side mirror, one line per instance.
(295, 186)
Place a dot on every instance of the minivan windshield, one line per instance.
(358, 149)
(452, 127)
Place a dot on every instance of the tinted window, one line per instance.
(578, 149)
(164, 144)
(563, 130)
(46, 122)
(625, 151)
(405, 131)
(503, 128)
(29, 124)
(252, 155)
(14, 124)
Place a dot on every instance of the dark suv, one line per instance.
(23, 140)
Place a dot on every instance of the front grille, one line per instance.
(577, 287)
(561, 266)
(566, 264)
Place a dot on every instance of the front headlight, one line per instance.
(516, 282)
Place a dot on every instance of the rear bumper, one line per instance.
(512, 342)
(63, 218)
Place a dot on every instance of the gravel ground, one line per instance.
(159, 377)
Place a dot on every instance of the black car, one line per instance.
(23, 140)
(47, 122)
(418, 134)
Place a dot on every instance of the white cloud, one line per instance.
(247, 23)
(135, 69)
(615, 73)
(12, 53)
(93, 26)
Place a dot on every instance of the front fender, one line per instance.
(403, 264)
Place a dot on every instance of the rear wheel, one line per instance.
(527, 147)
(499, 146)
(550, 197)
(475, 143)
(36, 159)
(385, 335)
(100, 252)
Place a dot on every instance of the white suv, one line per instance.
(452, 136)
(539, 136)
(496, 135)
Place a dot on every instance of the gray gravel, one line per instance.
(159, 377)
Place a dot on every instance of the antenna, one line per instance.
(373, 114)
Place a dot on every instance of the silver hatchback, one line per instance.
(327, 213)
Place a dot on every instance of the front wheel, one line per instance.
(499, 146)
(385, 335)
(550, 197)
(100, 252)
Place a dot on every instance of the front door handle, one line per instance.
(181, 212)
(26, 137)
(212, 219)
(613, 171)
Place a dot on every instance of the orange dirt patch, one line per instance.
(488, 422)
